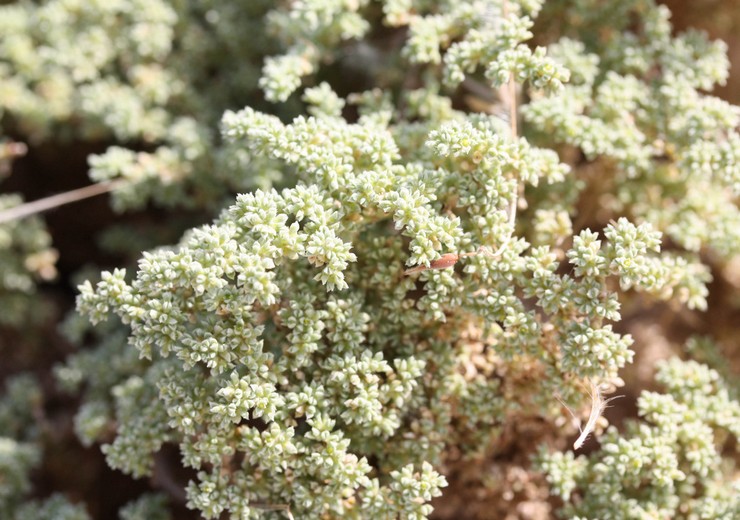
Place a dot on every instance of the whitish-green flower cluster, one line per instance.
(668, 465)
(56, 507)
(148, 507)
(59, 59)
(665, 152)
(322, 349)
(481, 34)
(26, 257)
(16, 461)
(289, 348)
(308, 30)
(153, 75)
(20, 453)
(23, 428)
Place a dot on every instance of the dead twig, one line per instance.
(60, 199)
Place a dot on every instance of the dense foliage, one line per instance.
(438, 226)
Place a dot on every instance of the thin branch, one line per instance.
(512, 107)
(510, 96)
(162, 478)
(45, 204)
(273, 507)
